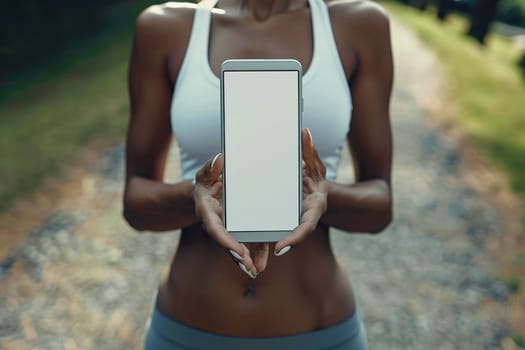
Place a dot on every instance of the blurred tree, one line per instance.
(511, 12)
(422, 5)
(34, 30)
(482, 15)
(520, 44)
(443, 8)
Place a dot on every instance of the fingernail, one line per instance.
(310, 135)
(245, 270)
(283, 250)
(214, 159)
(235, 254)
(254, 273)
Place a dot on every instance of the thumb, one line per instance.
(216, 166)
(294, 238)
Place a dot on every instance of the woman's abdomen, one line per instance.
(298, 292)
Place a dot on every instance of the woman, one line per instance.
(220, 294)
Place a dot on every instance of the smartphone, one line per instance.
(261, 111)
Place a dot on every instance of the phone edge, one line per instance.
(259, 65)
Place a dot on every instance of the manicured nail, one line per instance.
(235, 254)
(214, 159)
(245, 270)
(283, 251)
(310, 135)
(254, 272)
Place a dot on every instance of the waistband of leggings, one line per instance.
(178, 333)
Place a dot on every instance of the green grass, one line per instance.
(519, 340)
(513, 283)
(484, 84)
(46, 125)
(48, 114)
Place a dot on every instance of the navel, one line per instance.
(249, 290)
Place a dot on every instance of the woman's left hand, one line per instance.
(315, 193)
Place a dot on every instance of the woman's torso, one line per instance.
(298, 292)
(304, 289)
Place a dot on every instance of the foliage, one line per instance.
(511, 12)
(33, 32)
(519, 340)
(35, 29)
(513, 283)
(485, 85)
(47, 116)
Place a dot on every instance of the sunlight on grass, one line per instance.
(44, 126)
(485, 83)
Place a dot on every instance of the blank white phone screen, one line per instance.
(261, 149)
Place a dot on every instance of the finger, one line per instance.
(244, 261)
(216, 166)
(260, 256)
(247, 262)
(297, 236)
(215, 228)
(211, 170)
(308, 185)
(245, 258)
(236, 249)
(208, 189)
(314, 165)
(307, 145)
(308, 150)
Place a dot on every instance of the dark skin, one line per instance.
(303, 289)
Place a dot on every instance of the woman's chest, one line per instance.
(284, 36)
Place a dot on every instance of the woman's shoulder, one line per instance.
(165, 27)
(361, 13)
(166, 16)
(363, 23)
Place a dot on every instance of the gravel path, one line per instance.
(84, 280)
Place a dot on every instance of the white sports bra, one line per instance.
(195, 107)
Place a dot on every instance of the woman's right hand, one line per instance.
(207, 195)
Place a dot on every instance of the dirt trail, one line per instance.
(428, 281)
(84, 280)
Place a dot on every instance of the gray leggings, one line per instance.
(164, 333)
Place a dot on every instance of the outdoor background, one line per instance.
(449, 272)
